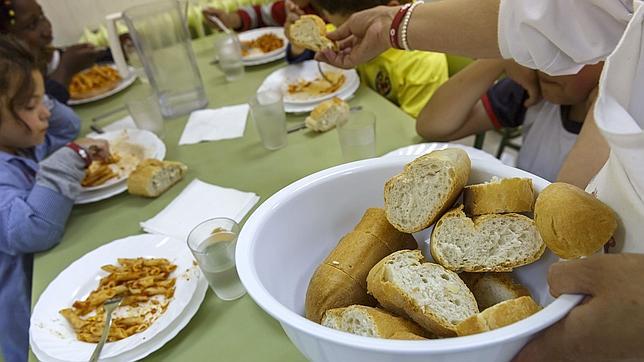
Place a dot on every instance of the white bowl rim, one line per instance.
(248, 274)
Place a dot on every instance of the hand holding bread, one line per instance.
(309, 32)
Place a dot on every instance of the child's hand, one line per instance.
(527, 78)
(77, 58)
(231, 20)
(98, 149)
(609, 323)
(293, 13)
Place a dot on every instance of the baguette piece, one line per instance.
(493, 288)
(372, 322)
(572, 222)
(428, 186)
(494, 242)
(500, 315)
(341, 279)
(327, 115)
(431, 295)
(153, 177)
(309, 32)
(499, 196)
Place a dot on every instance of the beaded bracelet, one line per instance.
(395, 25)
(405, 25)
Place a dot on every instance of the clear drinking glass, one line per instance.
(229, 54)
(358, 136)
(147, 115)
(213, 244)
(267, 109)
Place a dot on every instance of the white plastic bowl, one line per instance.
(288, 236)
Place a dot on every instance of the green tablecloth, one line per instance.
(222, 331)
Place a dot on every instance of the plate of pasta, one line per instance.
(158, 279)
(98, 82)
(263, 45)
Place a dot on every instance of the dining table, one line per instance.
(221, 330)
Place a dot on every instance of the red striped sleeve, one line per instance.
(490, 112)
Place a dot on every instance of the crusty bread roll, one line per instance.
(327, 114)
(341, 279)
(309, 31)
(373, 322)
(493, 242)
(572, 222)
(152, 177)
(500, 315)
(431, 295)
(428, 186)
(493, 288)
(499, 196)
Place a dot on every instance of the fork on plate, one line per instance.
(110, 305)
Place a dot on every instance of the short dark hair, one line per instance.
(17, 64)
(347, 6)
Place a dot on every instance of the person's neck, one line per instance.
(579, 111)
(8, 149)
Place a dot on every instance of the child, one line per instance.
(407, 78)
(39, 180)
(25, 20)
(256, 16)
(471, 102)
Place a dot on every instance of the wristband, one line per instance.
(80, 151)
(395, 25)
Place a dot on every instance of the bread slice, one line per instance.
(374, 221)
(327, 114)
(372, 322)
(500, 315)
(431, 295)
(493, 288)
(572, 222)
(309, 31)
(428, 186)
(152, 177)
(499, 196)
(493, 242)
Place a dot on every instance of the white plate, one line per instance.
(423, 148)
(304, 108)
(250, 63)
(53, 335)
(308, 70)
(125, 82)
(256, 54)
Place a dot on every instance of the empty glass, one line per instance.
(147, 115)
(358, 136)
(267, 109)
(229, 54)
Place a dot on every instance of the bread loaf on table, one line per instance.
(499, 196)
(152, 177)
(427, 187)
(340, 280)
(327, 115)
(493, 288)
(309, 32)
(500, 315)
(373, 322)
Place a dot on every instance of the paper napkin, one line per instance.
(215, 124)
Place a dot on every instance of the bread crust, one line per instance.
(138, 182)
(572, 222)
(387, 325)
(314, 120)
(500, 315)
(321, 27)
(374, 221)
(507, 195)
(480, 283)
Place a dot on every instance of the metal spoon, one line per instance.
(109, 306)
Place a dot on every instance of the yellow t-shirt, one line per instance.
(407, 78)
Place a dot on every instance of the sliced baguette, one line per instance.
(374, 221)
(493, 288)
(327, 115)
(494, 242)
(153, 177)
(309, 31)
(500, 315)
(428, 186)
(431, 295)
(499, 196)
(372, 322)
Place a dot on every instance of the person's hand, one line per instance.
(608, 325)
(293, 13)
(231, 20)
(361, 38)
(526, 78)
(77, 58)
(98, 149)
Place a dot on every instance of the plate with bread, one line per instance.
(98, 82)
(416, 258)
(262, 45)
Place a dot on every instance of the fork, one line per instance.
(324, 75)
(110, 305)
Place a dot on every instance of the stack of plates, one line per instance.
(51, 337)
(153, 148)
(308, 71)
(256, 56)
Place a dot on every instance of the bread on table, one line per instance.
(153, 177)
(327, 115)
(492, 242)
(428, 186)
(493, 288)
(434, 297)
(309, 32)
(500, 315)
(572, 222)
(499, 196)
(373, 322)
(341, 279)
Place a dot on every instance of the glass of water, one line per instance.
(358, 136)
(146, 114)
(230, 58)
(213, 244)
(267, 109)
